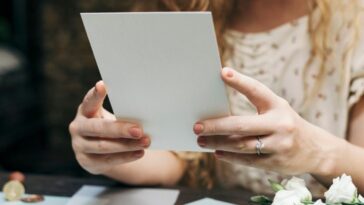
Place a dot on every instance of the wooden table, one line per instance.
(67, 186)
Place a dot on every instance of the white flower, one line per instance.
(341, 191)
(293, 183)
(299, 186)
(294, 193)
(361, 198)
(285, 197)
(319, 202)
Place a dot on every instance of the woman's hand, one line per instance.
(99, 140)
(291, 145)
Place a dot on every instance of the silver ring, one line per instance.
(259, 146)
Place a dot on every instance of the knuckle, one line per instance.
(210, 127)
(253, 91)
(287, 125)
(95, 170)
(83, 161)
(72, 128)
(121, 129)
(76, 146)
(102, 146)
(88, 165)
(254, 88)
(286, 145)
(240, 126)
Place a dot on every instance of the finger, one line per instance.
(252, 160)
(109, 146)
(106, 161)
(236, 144)
(93, 100)
(96, 127)
(255, 125)
(260, 95)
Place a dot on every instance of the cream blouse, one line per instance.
(277, 58)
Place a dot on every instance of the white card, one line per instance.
(99, 195)
(161, 69)
(209, 201)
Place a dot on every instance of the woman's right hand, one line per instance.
(99, 140)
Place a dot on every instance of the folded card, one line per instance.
(162, 70)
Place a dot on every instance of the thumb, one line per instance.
(94, 100)
(257, 93)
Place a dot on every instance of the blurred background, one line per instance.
(46, 67)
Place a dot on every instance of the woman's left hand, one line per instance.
(290, 145)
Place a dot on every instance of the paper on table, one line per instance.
(209, 201)
(161, 69)
(98, 195)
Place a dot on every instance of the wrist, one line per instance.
(327, 164)
(329, 153)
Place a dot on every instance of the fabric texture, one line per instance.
(277, 59)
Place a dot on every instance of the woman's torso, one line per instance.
(277, 59)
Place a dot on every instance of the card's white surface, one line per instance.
(209, 201)
(99, 195)
(161, 70)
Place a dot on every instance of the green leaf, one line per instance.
(260, 199)
(276, 186)
(306, 202)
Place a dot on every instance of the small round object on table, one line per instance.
(35, 198)
(18, 176)
(13, 190)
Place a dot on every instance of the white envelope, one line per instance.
(162, 70)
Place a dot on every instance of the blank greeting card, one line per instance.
(161, 69)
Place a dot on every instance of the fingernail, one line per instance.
(219, 153)
(229, 72)
(138, 153)
(135, 132)
(202, 141)
(145, 142)
(198, 128)
(96, 86)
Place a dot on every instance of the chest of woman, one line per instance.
(278, 59)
